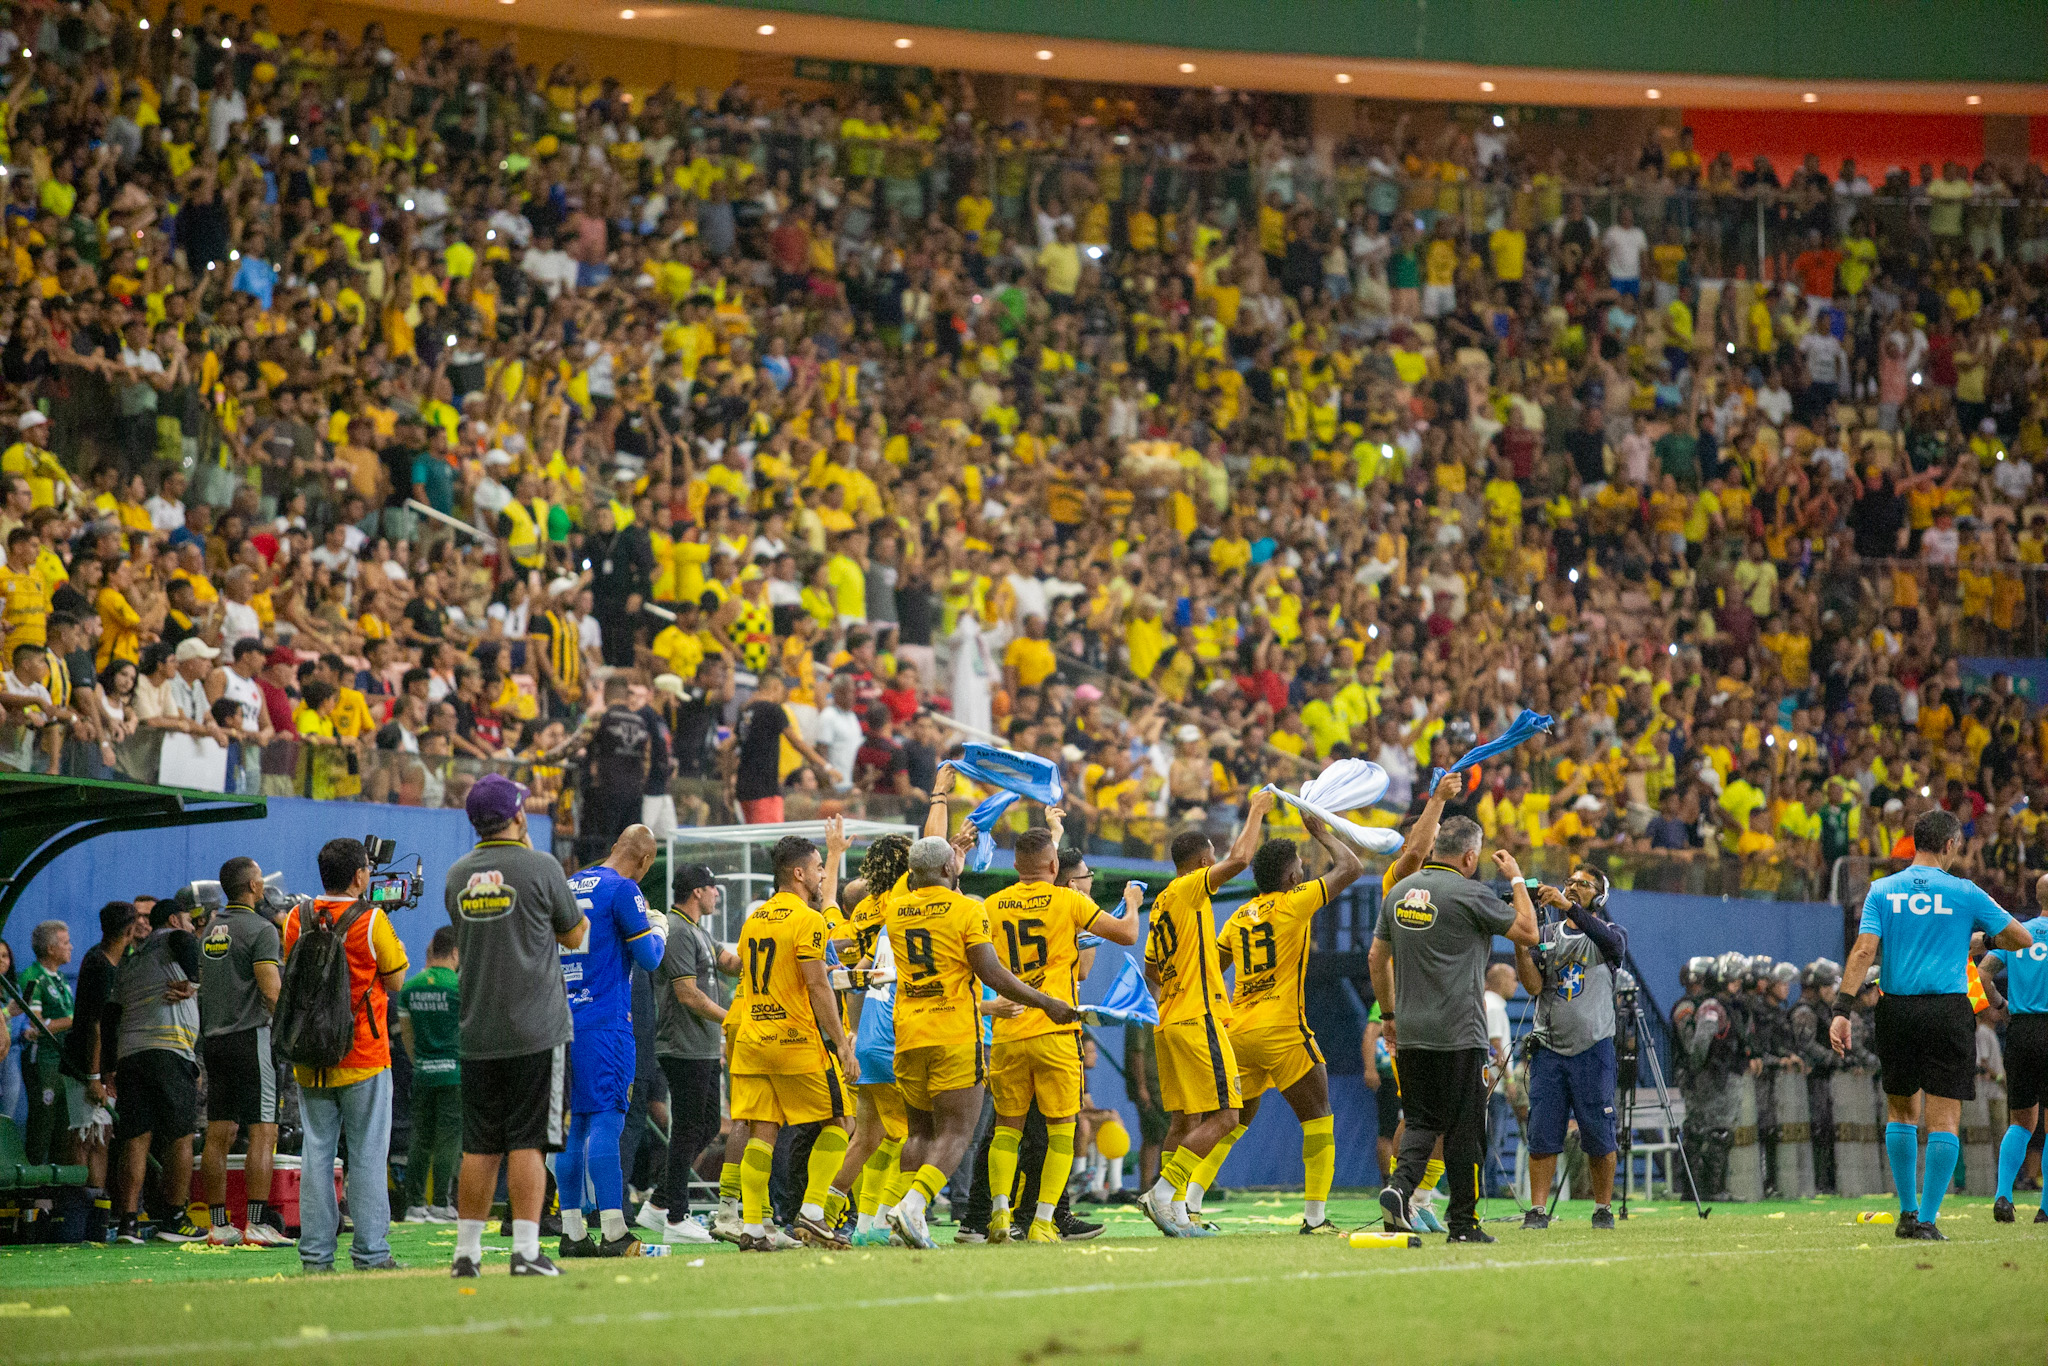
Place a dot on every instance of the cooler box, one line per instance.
(284, 1190)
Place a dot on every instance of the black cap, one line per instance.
(692, 877)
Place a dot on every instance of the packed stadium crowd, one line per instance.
(383, 418)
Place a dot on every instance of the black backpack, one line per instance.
(314, 1023)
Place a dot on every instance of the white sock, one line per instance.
(1426, 1198)
(882, 1213)
(469, 1239)
(811, 1211)
(1179, 1211)
(863, 1222)
(526, 1237)
(1162, 1189)
(613, 1222)
(911, 1206)
(573, 1227)
(1000, 1204)
(728, 1207)
(1194, 1200)
(1045, 1212)
(752, 1230)
(1314, 1211)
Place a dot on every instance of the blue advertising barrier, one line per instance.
(158, 862)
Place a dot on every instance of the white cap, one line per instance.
(565, 584)
(1589, 802)
(497, 456)
(1188, 734)
(192, 647)
(29, 419)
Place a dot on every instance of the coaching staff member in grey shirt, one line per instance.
(1429, 956)
(511, 907)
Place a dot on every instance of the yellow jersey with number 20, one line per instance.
(1181, 947)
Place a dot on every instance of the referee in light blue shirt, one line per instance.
(2026, 1052)
(1923, 918)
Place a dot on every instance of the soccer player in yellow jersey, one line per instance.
(1197, 1070)
(1036, 926)
(941, 946)
(789, 1051)
(1267, 940)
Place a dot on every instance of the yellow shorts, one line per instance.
(888, 1103)
(922, 1073)
(1197, 1070)
(1046, 1067)
(1273, 1059)
(789, 1097)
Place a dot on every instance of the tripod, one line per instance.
(1631, 1048)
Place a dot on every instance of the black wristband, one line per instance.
(1386, 1017)
(1844, 1007)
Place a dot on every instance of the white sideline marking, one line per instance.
(481, 1327)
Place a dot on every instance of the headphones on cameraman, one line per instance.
(1598, 905)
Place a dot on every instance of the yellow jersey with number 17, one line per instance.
(777, 1032)
(1181, 947)
(1267, 938)
(930, 932)
(1034, 926)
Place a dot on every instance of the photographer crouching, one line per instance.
(1570, 971)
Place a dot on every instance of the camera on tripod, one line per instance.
(392, 889)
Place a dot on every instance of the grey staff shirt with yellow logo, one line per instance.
(1440, 925)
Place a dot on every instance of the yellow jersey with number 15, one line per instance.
(1034, 926)
(930, 932)
(1267, 938)
(777, 1032)
(1181, 947)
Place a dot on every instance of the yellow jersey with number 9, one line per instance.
(1181, 947)
(777, 1032)
(1033, 926)
(1267, 938)
(930, 932)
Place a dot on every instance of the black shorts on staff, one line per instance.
(241, 1077)
(513, 1103)
(1927, 1043)
(156, 1091)
(2026, 1061)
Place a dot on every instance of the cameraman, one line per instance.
(1570, 972)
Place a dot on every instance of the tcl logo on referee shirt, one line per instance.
(1917, 903)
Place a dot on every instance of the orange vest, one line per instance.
(370, 1050)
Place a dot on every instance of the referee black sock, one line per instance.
(259, 1212)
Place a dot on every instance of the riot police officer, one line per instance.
(1714, 1046)
(1808, 1022)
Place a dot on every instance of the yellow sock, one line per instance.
(729, 1181)
(755, 1164)
(898, 1187)
(875, 1176)
(1319, 1156)
(828, 1155)
(929, 1181)
(1432, 1173)
(1059, 1165)
(835, 1206)
(1002, 1164)
(1206, 1169)
(1179, 1165)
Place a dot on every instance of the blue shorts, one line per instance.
(1632, 288)
(1581, 1086)
(601, 1071)
(874, 1043)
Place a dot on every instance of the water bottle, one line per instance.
(1369, 1238)
(654, 1249)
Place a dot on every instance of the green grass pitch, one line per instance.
(1796, 1281)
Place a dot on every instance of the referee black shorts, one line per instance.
(513, 1103)
(241, 1078)
(1927, 1043)
(2026, 1061)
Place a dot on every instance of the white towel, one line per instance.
(1347, 785)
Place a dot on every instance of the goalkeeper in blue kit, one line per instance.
(599, 980)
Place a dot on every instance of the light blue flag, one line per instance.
(1128, 1002)
(1525, 727)
(1017, 774)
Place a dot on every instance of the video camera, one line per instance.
(392, 889)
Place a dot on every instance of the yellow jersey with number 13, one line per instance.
(1267, 938)
(1181, 947)
(777, 1032)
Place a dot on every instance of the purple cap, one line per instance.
(494, 799)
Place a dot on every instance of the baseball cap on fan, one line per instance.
(494, 799)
